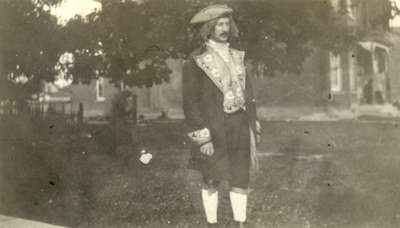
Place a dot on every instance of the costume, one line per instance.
(209, 103)
(219, 107)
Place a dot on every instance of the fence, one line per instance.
(61, 112)
(8, 107)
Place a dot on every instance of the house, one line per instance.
(344, 85)
(394, 66)
(97, 97)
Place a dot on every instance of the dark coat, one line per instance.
(203, 108)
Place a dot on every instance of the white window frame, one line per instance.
(385, 59)
(335, 72)
(352, 76)
(349, 9)
(100, 89)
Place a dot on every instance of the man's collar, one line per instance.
(217, 45)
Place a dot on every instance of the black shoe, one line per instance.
(239, 224)
(212, 225)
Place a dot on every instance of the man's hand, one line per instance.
(207, 149)
(258, 127)
(258, 132)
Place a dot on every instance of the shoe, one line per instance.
(239, 224)
(212, 225)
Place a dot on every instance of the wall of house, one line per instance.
(292, 90)
(394, 66)
(150, 101)
(347, 96)
(166, 97)
(86, 94)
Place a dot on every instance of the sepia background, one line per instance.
(89, 89)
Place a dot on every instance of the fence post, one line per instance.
(134, 109)
(80, 115)
(133, 128)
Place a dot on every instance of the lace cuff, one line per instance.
(201, 136)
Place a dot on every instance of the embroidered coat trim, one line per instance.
(215, 68)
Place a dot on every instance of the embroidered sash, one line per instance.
(230, 78)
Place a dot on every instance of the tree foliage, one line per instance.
(29, 45)
(129, 41)
(113, 43)
(276, 34)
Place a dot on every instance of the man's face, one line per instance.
(221, 30)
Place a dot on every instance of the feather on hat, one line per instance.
(210, 13)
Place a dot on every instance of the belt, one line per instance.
(239, 111)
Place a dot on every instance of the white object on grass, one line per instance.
(145, 157)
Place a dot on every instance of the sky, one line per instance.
(69, 8)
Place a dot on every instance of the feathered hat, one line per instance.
(210, 13)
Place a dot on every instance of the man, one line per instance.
(220, 112)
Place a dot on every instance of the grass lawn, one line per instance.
(328, 174)
(313, 174)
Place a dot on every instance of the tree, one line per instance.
(112, 43)
(29, 46)
(128, 41)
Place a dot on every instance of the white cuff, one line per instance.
(200, 136)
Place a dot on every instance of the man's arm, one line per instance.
(191, 94)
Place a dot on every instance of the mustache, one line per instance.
(224, 34)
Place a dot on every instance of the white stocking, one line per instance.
(239, 206)
(210, 203)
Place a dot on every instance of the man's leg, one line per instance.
(238, 197)
(240, 169)
(209, 195)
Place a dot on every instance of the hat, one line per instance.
(210, 12)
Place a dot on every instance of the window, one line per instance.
(380, 56)
(100, 89)
(335, 72)
(346, 7)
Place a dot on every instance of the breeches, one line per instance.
(234, 163)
